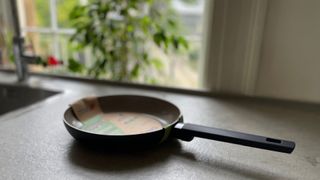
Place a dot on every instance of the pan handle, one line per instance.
(187, 132)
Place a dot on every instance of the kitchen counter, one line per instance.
(35, 144)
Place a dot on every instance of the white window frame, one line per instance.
(53, 30)
(233, 45)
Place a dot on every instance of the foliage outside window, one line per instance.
(120, 33)
(48, 28)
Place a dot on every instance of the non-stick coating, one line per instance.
(128, 103)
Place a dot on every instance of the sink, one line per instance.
(13, 97)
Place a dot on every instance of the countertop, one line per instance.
(35, 144)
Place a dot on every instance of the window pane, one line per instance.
(63, 9)
(191, 15)
(170, 68)
(6, 34)
(182, 68)
(39, 44)
(6, 48)
(66, 51)
(36, 13)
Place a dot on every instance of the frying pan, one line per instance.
(172, 126)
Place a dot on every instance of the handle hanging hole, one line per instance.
(274, 140)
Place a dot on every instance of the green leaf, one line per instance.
(75, 66)
(175, 42)
(184, 42)
(157, 63)
(157, 38)
(78, 11)
(172, 23)
(130, 28)
(136, 70)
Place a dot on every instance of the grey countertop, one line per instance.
(35, 144)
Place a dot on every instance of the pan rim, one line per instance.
(165, 127)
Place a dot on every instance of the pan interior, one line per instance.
(128, 115)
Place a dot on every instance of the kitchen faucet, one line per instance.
(21, 60)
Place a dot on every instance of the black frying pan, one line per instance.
(172, 126)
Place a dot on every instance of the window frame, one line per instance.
(221, 69)
(233, 46)
(53, 30)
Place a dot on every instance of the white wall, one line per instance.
(289, 66)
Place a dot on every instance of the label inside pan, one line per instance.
(121, 123)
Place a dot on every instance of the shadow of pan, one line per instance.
(105, 159)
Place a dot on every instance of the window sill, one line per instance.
(199, 92)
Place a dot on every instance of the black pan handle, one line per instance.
(187, 132)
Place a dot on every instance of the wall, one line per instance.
(289, 66)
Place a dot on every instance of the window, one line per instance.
(46, 27)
